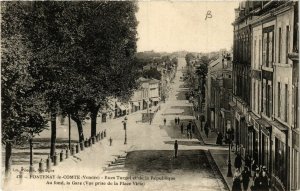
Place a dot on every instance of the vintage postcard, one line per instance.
(150, 95)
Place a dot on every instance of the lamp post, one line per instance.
(31, 153)
(69, 131)
(150, 118)
(125, 129)
(229, 172)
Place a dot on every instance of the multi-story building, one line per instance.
(265, 45)
(219, 80)
(146, 95)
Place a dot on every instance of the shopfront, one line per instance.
(295, 172)
(264, 143)
(280, 156)
(240, 132)
(256, 148)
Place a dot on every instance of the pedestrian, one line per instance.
(256, 180)
(264, 180)
(110, 141)
(218, 138)
(238, 161)
(221, 139)
(188, 132)
(175, 120)
(176, 148)
(178, 120)
(246, 174)
(189, 128)
(193, 128)
(181, 128)
(254, 165)
(165, 121)
(206, 130)
(248, 162)
(236, 185)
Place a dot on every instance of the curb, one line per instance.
(216, 170)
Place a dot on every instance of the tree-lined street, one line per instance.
(149, 95)
(149, 150)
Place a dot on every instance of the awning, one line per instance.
(135, 103)
(263, 122)
(147, 100)
(155, 99)
(120, 106)
(279, 126)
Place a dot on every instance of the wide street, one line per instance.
(148, 154)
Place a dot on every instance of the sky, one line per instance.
(180, 25)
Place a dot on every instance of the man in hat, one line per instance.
(238, 161)
(256, 180)
(246, 174)
(181, 128)
(176, 148)
(264, 180)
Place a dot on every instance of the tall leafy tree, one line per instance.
(22, 108)
(110, 45)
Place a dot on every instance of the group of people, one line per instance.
(177, 121)
(242, 179)
(190, 129)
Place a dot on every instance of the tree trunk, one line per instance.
(8, 151)
(79, 127)
(94, 113)
(53, 134)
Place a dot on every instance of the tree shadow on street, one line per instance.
(164, 161)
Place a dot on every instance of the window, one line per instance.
(280, 160)
(268, 46)
(254, 104)
(270, 97)
(258, 97)
(259, 49)
(270, 49)
(254, 54)
(264, 97)
(279, 101)
(286, 103)
(265, 42)
(279, 44)
(287, 44)
(268, 100)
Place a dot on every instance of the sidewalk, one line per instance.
(212, 136)
(219, 156)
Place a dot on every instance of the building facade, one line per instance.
(265, 87)
(219, 79)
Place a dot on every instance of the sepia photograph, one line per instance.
(169, 95)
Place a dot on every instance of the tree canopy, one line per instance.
(64, 57)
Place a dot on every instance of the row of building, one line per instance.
(265, 105)
(149, 93)
(218, 92)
